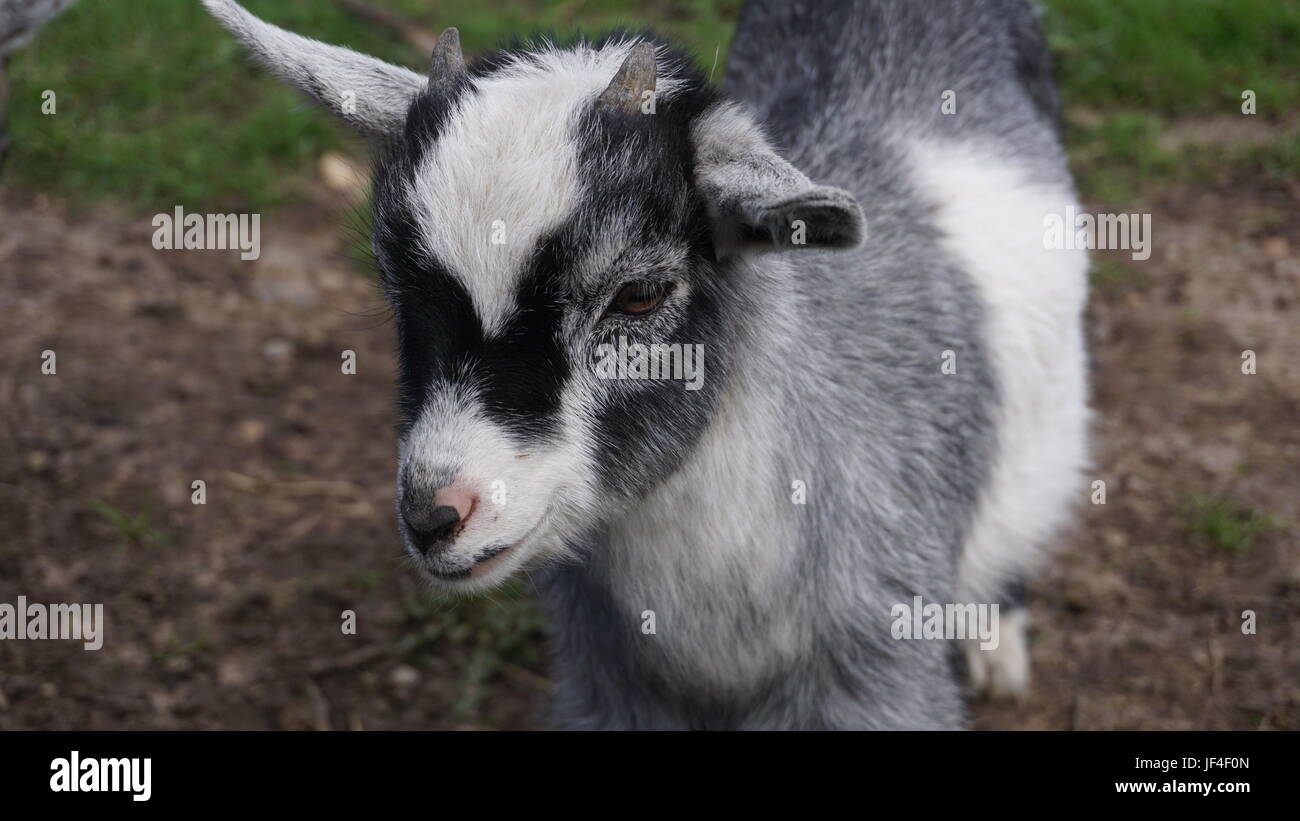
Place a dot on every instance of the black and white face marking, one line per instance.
(515, 201)
(506, 233)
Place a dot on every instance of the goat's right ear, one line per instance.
(758, 201)
(370, 95)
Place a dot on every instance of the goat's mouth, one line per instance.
(490, 564)
(483, 563)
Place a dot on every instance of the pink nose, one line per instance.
(459, 496)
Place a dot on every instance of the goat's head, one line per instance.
(537, 213)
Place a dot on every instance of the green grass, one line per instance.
(1226, 524)
(158, 106)
(1177, 57)
(1120, 159)
(1115, 157)
(1111, 275)
(1279, 160)
(131, 528)
(199, 652)
(1134, 66)
(365, 581)
(487, 632)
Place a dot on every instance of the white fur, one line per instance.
(508, 157)
(542, 486)
(508, 154)
(992, 214)
(718, 523)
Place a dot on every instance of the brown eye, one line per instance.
(640, 297)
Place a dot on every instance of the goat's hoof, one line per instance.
(1002, 673)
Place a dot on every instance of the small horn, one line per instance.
(448, 62)
(634, 78)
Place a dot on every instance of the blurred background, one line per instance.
(198, 366)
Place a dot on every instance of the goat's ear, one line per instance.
(759, 201)
(370, 95)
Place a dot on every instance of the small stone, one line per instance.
(404, 675)
(332, 280)
(340, 174)
(234, 672)
(277, 350)
(1277, 247)
(179, 664)
(251, 431)
(295, 291)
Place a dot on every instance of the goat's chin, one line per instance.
(484, 575)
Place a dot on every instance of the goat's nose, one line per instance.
(434, 523)
(459, 496)
(432, 527)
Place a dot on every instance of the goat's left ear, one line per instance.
(759, 201)
(370, 95)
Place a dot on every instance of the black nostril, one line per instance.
(442, 520)
(432, 526)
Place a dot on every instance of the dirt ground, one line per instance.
(176, 367)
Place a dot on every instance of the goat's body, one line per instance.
(899, 418)
(919, 482)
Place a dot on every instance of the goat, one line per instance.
(881, 418)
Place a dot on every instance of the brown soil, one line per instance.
(1138, 621)
(176, 367)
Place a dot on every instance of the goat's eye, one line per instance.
(640, 297)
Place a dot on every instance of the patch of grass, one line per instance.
(132, 528)
(179, 652)
(702, 26)
(1116, 156)
(1225, 524)
(158, 106)
(365, 581)
(1111, 275)
(490, 631)
(1120, 157)
(1177, 57)
(1263, 223)
(1145, 63)
(1278, 161)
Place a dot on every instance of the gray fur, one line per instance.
(824, 364)
(746, 183)
(848, 345)
(370, 95)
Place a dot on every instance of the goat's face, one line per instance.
(525, 241)
(538, 218)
